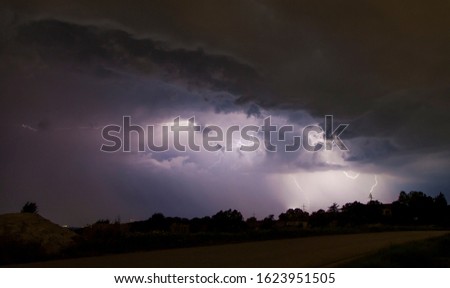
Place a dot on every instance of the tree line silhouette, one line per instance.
(410, 209)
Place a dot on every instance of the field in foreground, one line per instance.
(321, 251)
(434, 252)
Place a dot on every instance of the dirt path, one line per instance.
(322, 251)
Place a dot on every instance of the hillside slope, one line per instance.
(27, 236)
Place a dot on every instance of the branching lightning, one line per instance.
(353, 177)
(374, 185)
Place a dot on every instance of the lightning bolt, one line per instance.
(25, 126)
(92, 127)
(374, 185)
(350, 176)
(296, 184)
(306, 197)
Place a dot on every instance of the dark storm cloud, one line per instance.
(370, 150)
(374, 64)
(106, 50)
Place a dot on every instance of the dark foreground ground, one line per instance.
(320, 251)
(432, 252)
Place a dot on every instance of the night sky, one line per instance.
(69, 69)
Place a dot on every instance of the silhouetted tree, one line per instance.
(353, 213)
(102, 222)
(200, 224)
(228, 221)
(374, 211)
(293, 217)
(403, 198)
(333, 208)
(268, 222)
(319, 218)
(440, 210)
(30, 207)
(440, 201)
(158, 222)
(413, 208)
(252, 223)
(421, 206)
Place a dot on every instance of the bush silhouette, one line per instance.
(29, 207)
(228, 221)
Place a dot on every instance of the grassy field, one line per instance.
(433, 252)
(319, 251)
